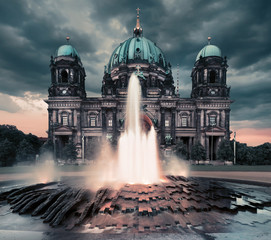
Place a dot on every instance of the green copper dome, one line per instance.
(66, 50)
(209, 51)
(137, 49)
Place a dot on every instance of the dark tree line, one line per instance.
(15, 146)
(245, 155)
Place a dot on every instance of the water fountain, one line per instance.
(138, 157)
(142, 203)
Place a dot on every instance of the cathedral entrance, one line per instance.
(213, 145)
(185, 142)
(62, 141)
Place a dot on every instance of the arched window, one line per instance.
(212, 76)
(64, 76)
(64, 119)
(92, 121)
(213, 119)
(110, 122)
(184, 120)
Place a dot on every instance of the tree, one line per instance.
(11, 133)
(225, 151)
(34, 141)
(242, 152)
(181, 150)
(25, 151)
(48, 146)
(69, 152)
(7, 153)
(27, 145)
(198, 152)
(263, 154)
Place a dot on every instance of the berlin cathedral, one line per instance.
(74, 117)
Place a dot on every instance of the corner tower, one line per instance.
(209, 73)
(67, 73)
(66, 94)
(212, 98)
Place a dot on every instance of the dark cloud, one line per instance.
(28, 42)
(31, 32)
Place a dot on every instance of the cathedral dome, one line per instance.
(137, 49)
(209, 51)
(67, 50)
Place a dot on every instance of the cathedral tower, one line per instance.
(67, 73)
(211, 95)
(209, 73)
(66, 93)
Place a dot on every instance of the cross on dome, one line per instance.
(209, 40)
(138, 30)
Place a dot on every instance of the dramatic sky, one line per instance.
(32, 30)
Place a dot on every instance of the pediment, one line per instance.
(63, 129)
(215, 129)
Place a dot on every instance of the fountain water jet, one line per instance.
(138, 160)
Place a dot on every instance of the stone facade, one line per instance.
(204, 117)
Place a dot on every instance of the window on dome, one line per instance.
(166, 123)
(64, 76)
(212, 76)
(110, 122)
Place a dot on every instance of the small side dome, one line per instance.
(209, 51)
(67, 50)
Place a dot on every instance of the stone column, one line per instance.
(173, 125)
(85, 119)
(162, 126)
(204, 124)
(205, 75)
(50, 123)
(189, 147)
(206, 140)
(220, 122)
(72, 118)
(114, 123)
(103, 121)
(195, 119)
(198, 127)
(75, 118)
(57, 116)
(191, 118)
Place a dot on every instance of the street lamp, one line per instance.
(234, 148)
(83, 147)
